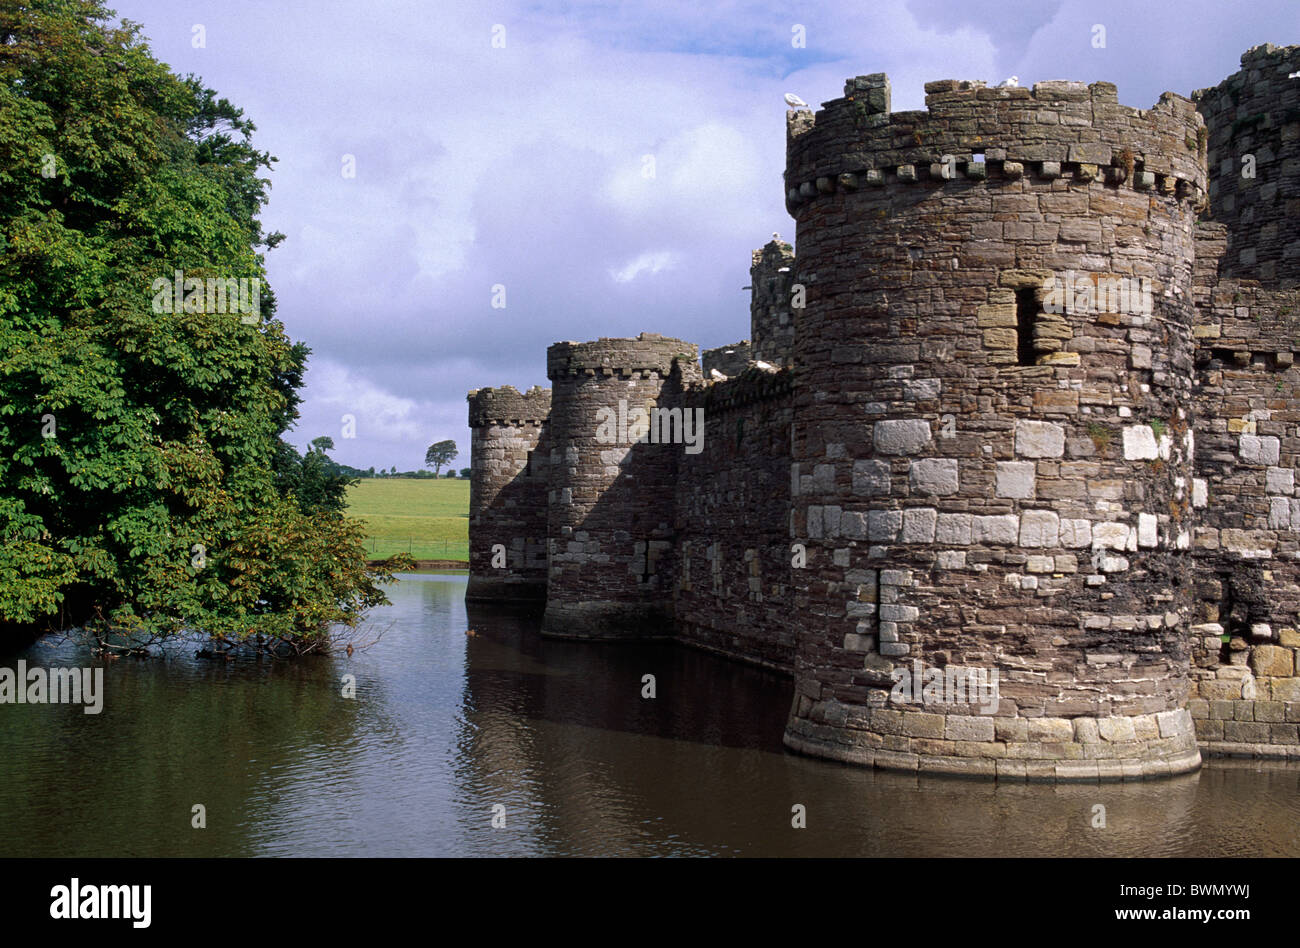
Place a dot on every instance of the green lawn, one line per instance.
(427, 518)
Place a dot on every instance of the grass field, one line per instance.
(427, 518)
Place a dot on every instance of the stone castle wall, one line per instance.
(1245, 694)
(1033, 417)
(733, 523)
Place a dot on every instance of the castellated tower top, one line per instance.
(968, 131)
(506, 406)
(1254, 163)
(647, 355)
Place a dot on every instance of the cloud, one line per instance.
(526, 166)
(650, 263)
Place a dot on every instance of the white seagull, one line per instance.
(795, 102)
(1009, 83)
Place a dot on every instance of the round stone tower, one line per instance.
(507, 493)
(612, 473)
(1253, 118)
(992, 453)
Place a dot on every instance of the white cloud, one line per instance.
(651, 263)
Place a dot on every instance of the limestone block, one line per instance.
(1015, 479)
(853, 525)
(968, 727)
(901, 436)
(1110, 536)
(1117, 728)
(884, 524)
(916, 390)
(1280, 480)
(1251, 544)
(1279, 513)
(1147, 532)
(953, 529)
(1140, 443)
(936, 476)
(1076, 533)
(1200, 492)
(1174, 723)
(950, 559)
(871, 478)
(1254, 449)
(919, 524)
(1039, 528)
(896, 613)
(1039, 439)
(1050, 730)
(1002, 529)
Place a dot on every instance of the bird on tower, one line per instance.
(795, 102)
(1009, 83)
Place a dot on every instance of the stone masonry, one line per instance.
(1023, 406)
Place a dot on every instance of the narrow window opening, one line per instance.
(1026, 310)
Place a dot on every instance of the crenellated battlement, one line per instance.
(649, 355)
(1057, 130)
(752, 386)
(507, 406)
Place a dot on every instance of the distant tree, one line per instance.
(440, 453)
(392, 472)
(371, 471)
(465, 472)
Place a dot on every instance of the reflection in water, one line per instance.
(445, 726)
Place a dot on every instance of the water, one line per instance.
(446, 726)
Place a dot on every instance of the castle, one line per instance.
(1025, 403)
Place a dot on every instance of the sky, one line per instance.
(610, 167)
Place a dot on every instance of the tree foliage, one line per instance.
(145, 485)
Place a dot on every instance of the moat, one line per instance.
(445, 726)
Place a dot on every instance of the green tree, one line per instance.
(440, 453)
(145, 484)
(465, 472)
